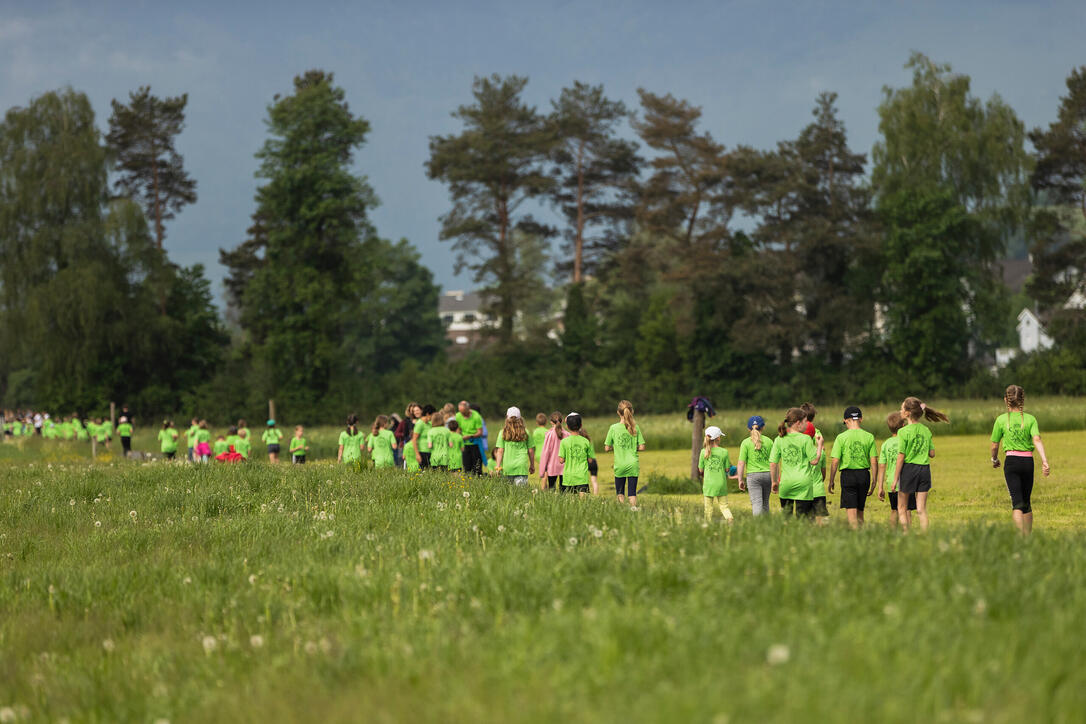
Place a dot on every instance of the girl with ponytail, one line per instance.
(351, 441)
(550, 466)
(915, 451)
(791, 462)
(1019, 434)
(381, 442)
(753, 468)
(625, 438)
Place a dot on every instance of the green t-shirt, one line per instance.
(219, 447)
(514, 455)
(627, 462)
(888, 457)
(248, 435)
(100, 432)
(409, 461)
(456, 451)
(795, 452)
(539, 435)
(1016, 431)
(190, 435)
(243, 447)
(297, 447)
(469, 425)
(232, 442)
(854, 448)
(352, 445)
(124, 430)
(715, 468)
(575, 451)
(381, 445)
(272, 436)
(168, 439)
(438, 440)
(422, 429)
(203, 435)
(915, 441)
(756, 461)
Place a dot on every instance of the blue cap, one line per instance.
(755, 421)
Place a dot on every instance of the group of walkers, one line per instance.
(795, 465)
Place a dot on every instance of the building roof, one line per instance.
(459, 301)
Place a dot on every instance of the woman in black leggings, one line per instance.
(1018, 432)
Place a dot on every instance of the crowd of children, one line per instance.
(794, 465)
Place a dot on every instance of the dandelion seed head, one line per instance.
(97, 524)
(778, 654)
(256, 641)
(210, 643)
(108, 645)
(426, 554)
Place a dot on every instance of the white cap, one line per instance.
(713, 432)
(512, 412)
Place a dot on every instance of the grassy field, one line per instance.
(137, 592)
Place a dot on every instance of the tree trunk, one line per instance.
(696, 440)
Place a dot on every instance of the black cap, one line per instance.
(853, 413)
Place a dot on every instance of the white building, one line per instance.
(463, 316)
(1032, 337)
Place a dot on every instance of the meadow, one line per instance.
(147, 591)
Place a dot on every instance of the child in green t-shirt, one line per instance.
(714, 464)
(124, 431)
(456, 446)
(221, 446)
(271, 437)
(298, 446)
(410, 462)
(167, 438)
(244, 445)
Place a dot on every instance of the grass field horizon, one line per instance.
(243, 593)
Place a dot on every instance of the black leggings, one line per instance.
(1018, 472)
(626, 486)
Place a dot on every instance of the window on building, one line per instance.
(447, 319)
(469, 318)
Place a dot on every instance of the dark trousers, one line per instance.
(473, 460)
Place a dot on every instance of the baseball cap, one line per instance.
(713, 432)
(512, 412)
(271, 422)
(755, 421)
(853, 413)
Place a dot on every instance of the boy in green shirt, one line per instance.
(298, 447)
(888, 462)
(854, 453)
(574, 452)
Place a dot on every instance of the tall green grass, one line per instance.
(227, 593)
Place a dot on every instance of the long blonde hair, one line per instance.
(380, 423)
(1015, 397)
(437, 419)
(756, 437)
(708, 445)
(625, 411)
(513, 430)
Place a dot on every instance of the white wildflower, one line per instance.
(7, 714)
(256, 641)
(71, 502)
(132, 514)
(501, 528)
(890, 610)
(252, 579)
(187, 581)
(778, 654)
(310, 647)
(97, 524)
(572, 541)
(210, 644)
(426, 554)
(597, 533)
(980, 607)
(108, 645)
(467, 494)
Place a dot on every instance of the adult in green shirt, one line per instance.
(514, 455)
(575, 452)
(1019, 435)
(753, 467)
(167, 438)
(625, 438)
(913, 468)
(351, 441)
(381, 442)
(471, 429)
(854, 454)
(790, 463)
(272, 437)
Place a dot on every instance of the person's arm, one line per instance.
(995, 454)
(900, 464)
(740, 473)
(881, 475)
(875, 469)
(531, 460)
(834, 463)
(499, 453)
(339, 457)
(774, 476)
(415, 440)
(1045, 468)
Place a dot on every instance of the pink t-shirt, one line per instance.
(549, 465)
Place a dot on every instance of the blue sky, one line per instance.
(754, 67)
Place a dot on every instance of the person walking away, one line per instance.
(550, 465)
(1018, 433)
(713, 465)
(272, 437)
(888, 463)
(167, 438)
(438, 440)
(513, 451)
(575, 452)
(351, 441)
(854, 454)
(753, 467)
(421, 437)
(915, 452)
(124, 431)
(625, 438)
(381, 443)
(791, 461)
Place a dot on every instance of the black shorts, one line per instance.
(299, 459)
(573, 488)
(893, 501)
(126, 444)
(169, 455)
(854, 487)
(801, 508)
(626, 486)
(1018, 472)
(273, 449)
(424, 464)
(914, 478)
(554, 481)
(819, 507)
(593, 467)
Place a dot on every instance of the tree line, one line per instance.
(673, 265)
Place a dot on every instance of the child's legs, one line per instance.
(722, 503)
(854, 516)
(922, 509)
(708, 508)
(903, 510)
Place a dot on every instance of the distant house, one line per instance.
(1032, 337)
(463, 316)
